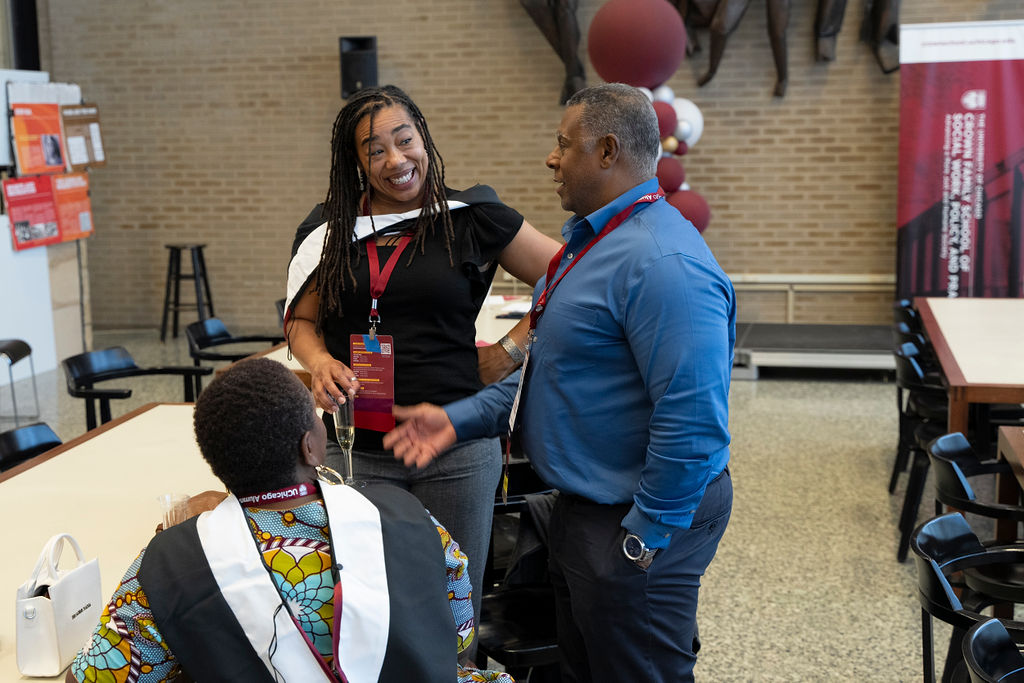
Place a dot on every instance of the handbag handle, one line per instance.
(51, 555)
(56, 548)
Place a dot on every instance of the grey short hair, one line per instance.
(625, 111)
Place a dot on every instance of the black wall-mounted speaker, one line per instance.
(358, 64)
(24, 28)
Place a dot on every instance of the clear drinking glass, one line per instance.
(345, 428)
(174, 507)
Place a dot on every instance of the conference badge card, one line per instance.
(373, 362)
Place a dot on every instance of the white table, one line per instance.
(980, 346)
(489, 327)
(102, 489)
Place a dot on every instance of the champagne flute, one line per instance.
(345, 429)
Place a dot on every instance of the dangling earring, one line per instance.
(362, 182)
(328, 475)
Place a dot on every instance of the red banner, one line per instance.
(961, 160)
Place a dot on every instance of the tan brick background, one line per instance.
(217, 115)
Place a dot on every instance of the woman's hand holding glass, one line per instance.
(331, 381)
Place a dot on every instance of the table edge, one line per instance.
(951, 370)
(78, 440)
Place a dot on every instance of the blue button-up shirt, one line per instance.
(626, 393)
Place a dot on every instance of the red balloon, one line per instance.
(670, 174)
(639, 42)
(668, 120)
(682, 149)
(693, 207)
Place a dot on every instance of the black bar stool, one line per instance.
(204, 300)
(11, 351)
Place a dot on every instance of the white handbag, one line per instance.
(56, 610)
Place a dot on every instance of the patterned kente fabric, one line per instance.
(127, 647)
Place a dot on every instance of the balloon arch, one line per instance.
(642, 43)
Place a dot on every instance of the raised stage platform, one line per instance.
(849, 347)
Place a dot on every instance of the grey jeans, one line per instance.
(457, 488)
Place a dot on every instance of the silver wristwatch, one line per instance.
(636, 551)
(513, 350)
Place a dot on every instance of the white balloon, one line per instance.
(684, 186)
(684, 130)
(688, 113)
(646, 91)
(663, 93)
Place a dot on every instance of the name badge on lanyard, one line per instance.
(372, 355)
(373, 362)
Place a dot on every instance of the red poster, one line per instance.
(961, 160)
(32, 212)
(38, 147)
(74, 212)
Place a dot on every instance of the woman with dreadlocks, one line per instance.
(393, 268)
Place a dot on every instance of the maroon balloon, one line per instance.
(668, 120)
(670, 174)
(682, 149)
(639, 42)
(693, 207)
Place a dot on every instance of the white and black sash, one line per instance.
(218, 609)
(309, 241)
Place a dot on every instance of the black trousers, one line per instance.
(617, 622)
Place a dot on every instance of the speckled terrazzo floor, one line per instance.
(805, 586)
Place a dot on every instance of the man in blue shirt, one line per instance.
(624, 406)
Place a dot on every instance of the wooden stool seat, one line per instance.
(203, 303)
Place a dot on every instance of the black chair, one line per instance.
(991, 654)
(903, 311)
(22, 443)
(922, 420)
(920, 396)
(87, 369)
(954, 461)
(518, 630)
(517, 610)
(206, 335)
(942, 547)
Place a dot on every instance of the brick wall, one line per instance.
(216, 119)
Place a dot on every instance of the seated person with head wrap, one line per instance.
(287, 578)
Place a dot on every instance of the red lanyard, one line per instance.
(615, 222)
(378, 278)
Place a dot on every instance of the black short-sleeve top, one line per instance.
(430, 305)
